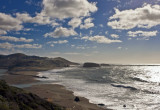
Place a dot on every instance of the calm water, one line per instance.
(137, 87)
(2, 72)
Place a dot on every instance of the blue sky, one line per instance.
(103, 31)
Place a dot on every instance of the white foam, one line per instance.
(112, 97)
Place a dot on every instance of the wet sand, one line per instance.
(51, 92)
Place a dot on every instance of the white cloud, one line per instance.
(87, 23)
(58, 42)
(80, 47)
(101, 39)
(119, 48)
(145, 17)
(106, 32)
(6, 45)
(114, 36)
(27, 29)
(7, 23)
(29, 46)
(12, 46)
(2, 32)
(68, 8)
(61, 32)
(39, 19)
(142, 33)
(60, 9)
(14, 39)
(52, 45)
(75, 22)
(101, 25)
(91, 32)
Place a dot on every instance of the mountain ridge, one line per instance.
(21, 60)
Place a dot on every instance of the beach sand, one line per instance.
(51, 92)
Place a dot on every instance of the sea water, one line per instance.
(136, 87)
(2, 72)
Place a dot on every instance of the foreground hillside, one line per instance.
(12, 98)
(19, 60)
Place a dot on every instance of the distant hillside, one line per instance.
(12, 98)
(22, 60)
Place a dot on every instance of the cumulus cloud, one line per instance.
(87, 23)
(12, 46)
(114, 36)
(14, 39)
(7, 23)
(2, 32)
(58, 42)
(39, 19)
(68, 8)
(101, 39)
(145, 17)
(29, 46)
(142, 33)
(60, 9)
(75, 22)
(61, 32)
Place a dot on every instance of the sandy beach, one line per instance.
(51, 92)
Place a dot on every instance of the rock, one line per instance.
(124, 106)
(101, 104)
(87, 65)
(76, 99)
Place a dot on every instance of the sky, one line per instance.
(102, 31)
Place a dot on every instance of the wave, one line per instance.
(138, 79)
(136, 89)
(126, 87)
(48, 73)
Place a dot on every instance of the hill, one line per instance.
(12, 98)
(20, 60)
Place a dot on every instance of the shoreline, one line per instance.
(54, 93)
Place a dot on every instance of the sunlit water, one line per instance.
(137, 87)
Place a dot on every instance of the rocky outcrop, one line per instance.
(88, 65)
(12, 98)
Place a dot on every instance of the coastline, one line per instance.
(54, 93)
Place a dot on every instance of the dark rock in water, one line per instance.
(87, 65)
(77, 99)
(101, 104)
(105, 64)
(43, 77)
(124, 106)
(126, 87)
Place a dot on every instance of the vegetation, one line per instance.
(12, 98)
(20, 60)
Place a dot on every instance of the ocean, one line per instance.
(117, 87)
(2, 72)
